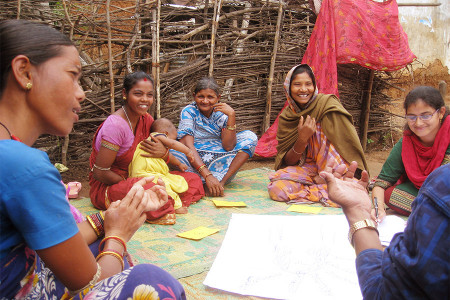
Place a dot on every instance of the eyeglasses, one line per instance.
(413, 119)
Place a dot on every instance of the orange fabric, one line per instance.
(295, 184)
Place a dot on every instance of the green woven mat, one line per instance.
(159, 245)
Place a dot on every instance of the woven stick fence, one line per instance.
(248, 46)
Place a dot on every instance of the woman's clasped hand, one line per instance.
(124, 217)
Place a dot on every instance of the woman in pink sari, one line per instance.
(114, 145)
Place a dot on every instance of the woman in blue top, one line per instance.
(43, 253)
(208, 127)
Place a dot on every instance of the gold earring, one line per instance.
(124, 98)
(28, 86)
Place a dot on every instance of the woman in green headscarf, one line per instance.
(314, 131)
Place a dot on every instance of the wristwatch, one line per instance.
(367, 223)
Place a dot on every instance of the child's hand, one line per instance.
(183, 167)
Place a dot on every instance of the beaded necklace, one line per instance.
(127, 117)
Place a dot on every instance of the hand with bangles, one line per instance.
(214, 186)
(121, 220)
(124, 217)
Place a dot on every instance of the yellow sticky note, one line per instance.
(228, 203)
(197, 233)
(304, 209)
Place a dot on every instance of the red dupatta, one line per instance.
(419, 160)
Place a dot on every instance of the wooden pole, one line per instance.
(19, 3)
(110, 58)
(239, 49)
(366, 112)
(135, 35)
(158, 67)
(266, 121)
(215, 24)
(205, 10)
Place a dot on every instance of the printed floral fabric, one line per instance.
(143, 281)
(363, 32)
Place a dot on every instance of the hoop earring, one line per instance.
(28, 86)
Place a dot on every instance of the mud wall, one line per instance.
(428, 29)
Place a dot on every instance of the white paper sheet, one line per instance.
(286, 257)
(389, 227)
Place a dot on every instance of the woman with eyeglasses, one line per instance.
(424, 147)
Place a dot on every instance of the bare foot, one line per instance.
(181, 210)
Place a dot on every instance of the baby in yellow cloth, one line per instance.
(163, 130)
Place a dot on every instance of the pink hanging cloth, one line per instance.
(361, 32)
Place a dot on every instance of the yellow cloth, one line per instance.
(147, 166)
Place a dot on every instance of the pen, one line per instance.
(375, 204)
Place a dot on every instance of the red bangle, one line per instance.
(112, 237)
(97, 222)
(112, 250)
(201, 167)
(166, 155)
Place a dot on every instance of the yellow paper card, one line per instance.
(228, 203)
(197, 233)
(304, 209)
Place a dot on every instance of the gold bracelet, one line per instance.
(115, 254)
(200, 168)
(231, 127)
(367, 223)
